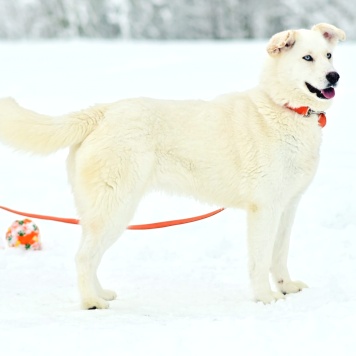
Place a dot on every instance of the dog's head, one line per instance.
(300, 66)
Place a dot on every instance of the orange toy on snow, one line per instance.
(24, 233)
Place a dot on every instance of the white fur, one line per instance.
(242, 150)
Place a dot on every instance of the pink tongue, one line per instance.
(328, 93)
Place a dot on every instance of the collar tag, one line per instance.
(306, 112)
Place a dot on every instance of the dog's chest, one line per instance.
(297, 157)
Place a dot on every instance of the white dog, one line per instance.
(257, 150)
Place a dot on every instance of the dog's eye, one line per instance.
(329, 55)
(308, 58)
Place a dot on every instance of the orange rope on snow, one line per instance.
(156, 225)
(42, 217)
(168, 223)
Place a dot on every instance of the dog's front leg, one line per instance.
(279, 267)
(263, 225)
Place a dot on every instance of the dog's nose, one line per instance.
(333, 77)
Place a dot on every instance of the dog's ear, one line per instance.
(280, 42)
(330, 32)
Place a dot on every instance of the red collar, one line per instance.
(306, 112)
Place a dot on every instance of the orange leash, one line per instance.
(156, 225)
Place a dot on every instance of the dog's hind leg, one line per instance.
(95, 241)
(106, 203)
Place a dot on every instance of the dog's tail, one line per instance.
(26, 130)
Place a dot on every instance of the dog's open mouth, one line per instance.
(327, 93)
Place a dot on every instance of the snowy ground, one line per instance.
(182, 290)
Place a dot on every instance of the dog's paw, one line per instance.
(269, 297)
(287, 287)
(108, 294)
(95, 303)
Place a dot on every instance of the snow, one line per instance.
(182, 290)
